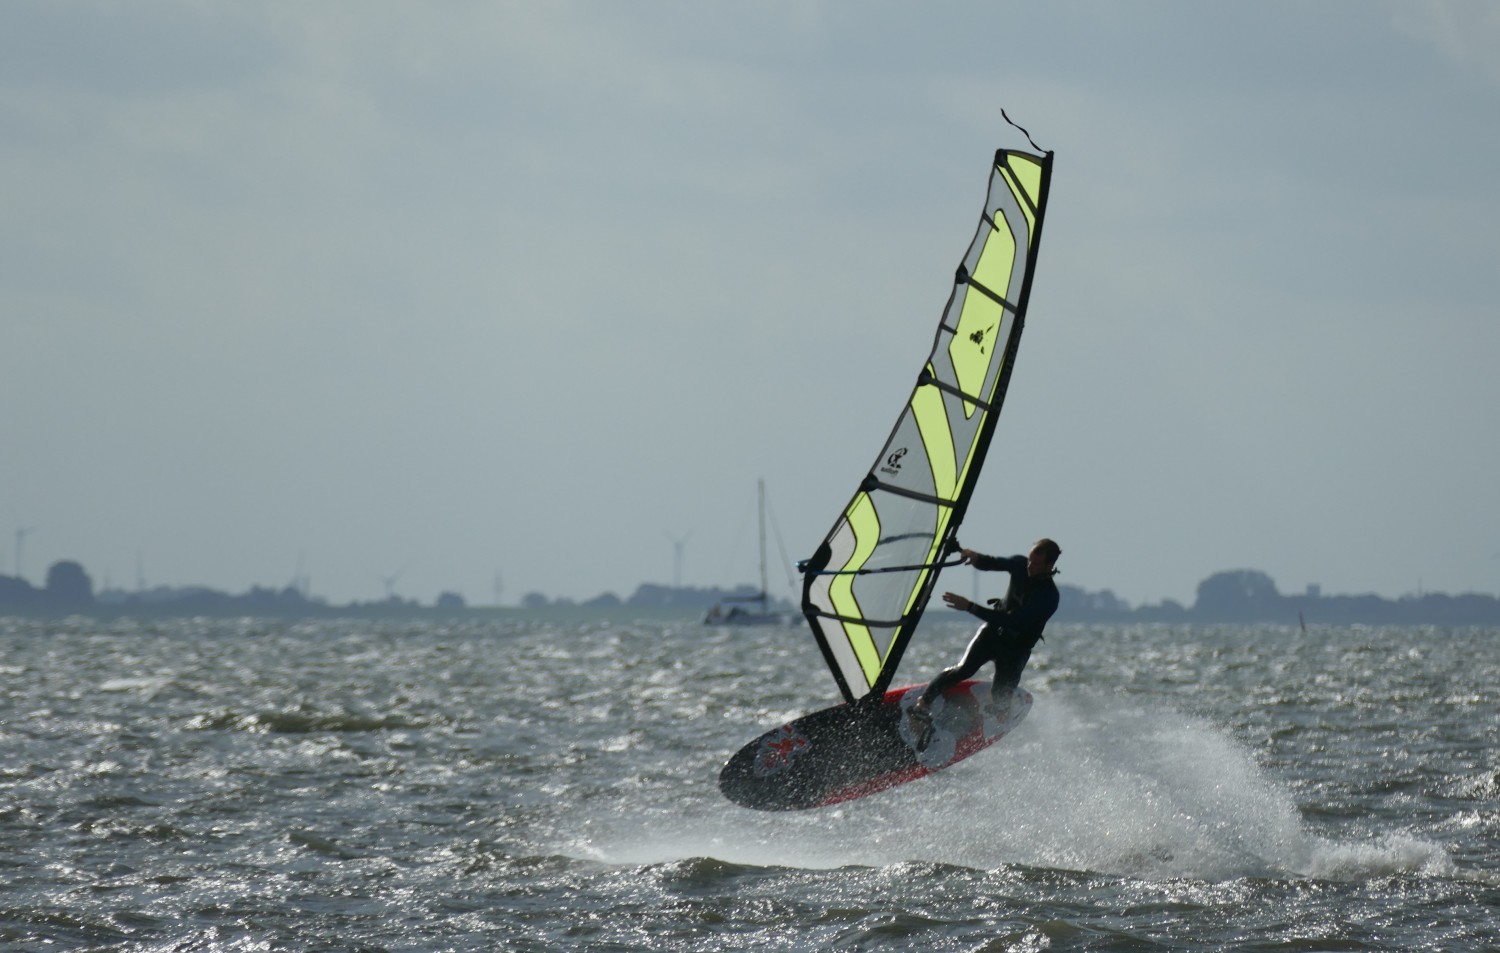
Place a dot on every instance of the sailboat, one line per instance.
(865, 588)
(762, 614)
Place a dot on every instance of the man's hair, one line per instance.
(1050, 548)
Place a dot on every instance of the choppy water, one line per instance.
(536, 785)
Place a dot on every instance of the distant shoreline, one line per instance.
(1233, 596)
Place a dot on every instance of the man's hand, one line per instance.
(956, 601)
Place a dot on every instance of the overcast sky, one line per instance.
(434, 293)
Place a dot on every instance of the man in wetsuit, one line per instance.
(1010, 629)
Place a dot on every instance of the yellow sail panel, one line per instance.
(1025, 180)
(1026, 172)
(973, 349)
(866, 588)
(931, 414)
(996, 264)
(864, 523)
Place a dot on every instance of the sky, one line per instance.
(495, 298)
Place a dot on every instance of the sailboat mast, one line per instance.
(765, 595)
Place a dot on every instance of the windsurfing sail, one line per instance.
(865, 588)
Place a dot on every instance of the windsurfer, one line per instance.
(1012, 626)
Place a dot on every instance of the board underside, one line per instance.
(854, 750)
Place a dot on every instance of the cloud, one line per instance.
(1467, 32)
(523, 286)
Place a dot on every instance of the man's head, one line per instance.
(1042, 558)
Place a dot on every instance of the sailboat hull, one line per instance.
(854, 750)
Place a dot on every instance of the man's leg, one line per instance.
(1008, 669)
(980, 650)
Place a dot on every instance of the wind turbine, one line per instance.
(21, 533)
(677, 547)
(301, 584)
(390, 582)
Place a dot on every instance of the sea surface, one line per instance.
(532, 782)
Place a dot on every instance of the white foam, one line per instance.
(1088, 782)
(1395, 854)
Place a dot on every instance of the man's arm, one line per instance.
(965, 604)
(1037, 609)
(990, 563)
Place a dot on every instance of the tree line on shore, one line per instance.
(68, 590)
(1236, 595)
(1232, 596)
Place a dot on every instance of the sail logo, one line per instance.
(893, 462)
(779, 749)
(978, 337)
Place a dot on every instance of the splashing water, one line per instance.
(1087, 783)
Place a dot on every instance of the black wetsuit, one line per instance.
(1010, 631)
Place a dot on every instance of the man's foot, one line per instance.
(921, 726)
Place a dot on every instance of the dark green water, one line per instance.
(540, 785)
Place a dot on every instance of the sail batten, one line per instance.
(912, 495)
(866, 587)
(969, 398)
(998, 299)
